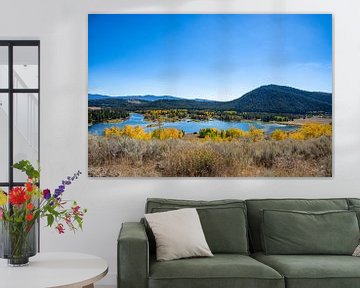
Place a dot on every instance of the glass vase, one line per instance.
(18, 242)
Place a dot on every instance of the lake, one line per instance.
(189, 126)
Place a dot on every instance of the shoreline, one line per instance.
(302, 121)
(296, 123)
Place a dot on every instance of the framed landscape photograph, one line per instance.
(210, 95)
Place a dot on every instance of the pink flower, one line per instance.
(60, 228)
(76, 210)
(1, 214)
(68, 219)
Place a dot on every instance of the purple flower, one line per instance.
(64, 183)
(46, 194)
(58, 192)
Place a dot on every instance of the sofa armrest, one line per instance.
(133, 256)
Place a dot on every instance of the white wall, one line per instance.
(61, 25)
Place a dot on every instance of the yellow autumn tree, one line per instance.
(236, 133)
(130, 131)
(256, 134)
(315, 130)
(297, 135)
(167, 133)
(139, 133)
(113, 131)
(312, 130)
(279, 135)
(209, 133)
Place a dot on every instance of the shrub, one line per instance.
(264, 154)
(194, 159)
(125, 156)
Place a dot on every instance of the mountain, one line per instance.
(97, 97)
(203, 100)
(149, 98)
(275, 99)
(265, 99)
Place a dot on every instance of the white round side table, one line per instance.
(50, 270)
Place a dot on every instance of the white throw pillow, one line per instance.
(357, 251)
(178, 234)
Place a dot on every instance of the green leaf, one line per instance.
(50, 219)
(26, 167)
(53, 211)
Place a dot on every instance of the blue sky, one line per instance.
(218, 57)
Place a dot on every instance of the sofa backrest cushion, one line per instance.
(223, 221)
(300, 233)
(354, 205)
(255, 206)
(353, 202)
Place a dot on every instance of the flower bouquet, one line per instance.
(21, 208)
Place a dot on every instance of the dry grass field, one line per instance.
(124, 157)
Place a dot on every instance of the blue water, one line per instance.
(188, 126)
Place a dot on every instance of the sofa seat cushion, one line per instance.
(222, 270)
(314, 271)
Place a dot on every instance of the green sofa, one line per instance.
(233, 231)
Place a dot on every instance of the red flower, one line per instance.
(60, 228)
(27, 196)
(29, 186)
(17, 196)
(29, 217)
(29, 206)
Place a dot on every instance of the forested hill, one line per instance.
(274, 98)
(270, 98)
